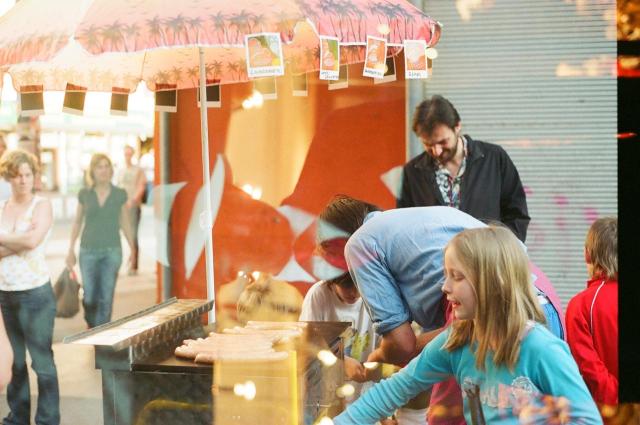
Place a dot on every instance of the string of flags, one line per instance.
(264, 62)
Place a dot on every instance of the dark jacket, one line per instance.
(490, 189)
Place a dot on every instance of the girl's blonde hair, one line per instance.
(11, 160)
(95, 159)
(602, 247)
(496, 265)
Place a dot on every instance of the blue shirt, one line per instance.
(544, 366)
(396, 260)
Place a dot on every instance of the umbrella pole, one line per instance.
(206, 177)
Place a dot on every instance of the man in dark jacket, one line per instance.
(475, 177)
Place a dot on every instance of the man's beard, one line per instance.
(450, 154)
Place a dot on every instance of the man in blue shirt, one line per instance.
(396, 260)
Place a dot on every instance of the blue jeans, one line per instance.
(28, 316)
(99, 269)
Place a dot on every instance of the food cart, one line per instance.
(143, 382)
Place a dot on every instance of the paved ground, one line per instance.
(80, 382)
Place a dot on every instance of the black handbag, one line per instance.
(67, 295)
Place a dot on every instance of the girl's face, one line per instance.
(22, 182)
(458, 289)
(102, 171)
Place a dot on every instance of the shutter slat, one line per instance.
(499, 70)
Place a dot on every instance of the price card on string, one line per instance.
(329, 58)
(374, 65)
(264, 55)
(415, 59)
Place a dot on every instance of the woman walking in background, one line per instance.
(26, 297)
(100, 216)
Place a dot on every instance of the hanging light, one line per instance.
(254, 101)
(345, 391)
(327, 357)
(383, 29)
(246, 390)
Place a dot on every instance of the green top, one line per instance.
(101, 223)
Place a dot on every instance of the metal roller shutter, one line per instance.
(539, 79)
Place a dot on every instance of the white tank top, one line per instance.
(27, 269)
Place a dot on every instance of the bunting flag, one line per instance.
(31, 101)
(119, 101)
(74, 97)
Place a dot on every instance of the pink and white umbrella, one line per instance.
(138, 34)
(111, 45)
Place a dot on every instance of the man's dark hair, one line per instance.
(347, 214)
(432, 112)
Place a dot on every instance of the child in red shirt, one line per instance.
(592, 315)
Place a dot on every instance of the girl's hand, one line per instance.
(71, 260)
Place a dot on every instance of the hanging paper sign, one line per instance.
(329, 58)
(415, 59)
(119, 101)
(299, 83)
(374, 65)
(264, 54)
(343, 80)
(267, 87)
(389, 71)
(74, 97)
(214, 99)
(31, 101)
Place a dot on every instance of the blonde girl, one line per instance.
(504, 361)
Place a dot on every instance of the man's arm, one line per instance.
(400, 345)
(426, 337)
(397, 346)
(513, 200)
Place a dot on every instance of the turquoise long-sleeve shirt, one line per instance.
(544, 367)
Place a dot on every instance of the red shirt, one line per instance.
(592, 334)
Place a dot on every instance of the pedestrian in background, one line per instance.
(133, 181)
(100, 215)
(26, 297)
(457, 171)
(592, 315)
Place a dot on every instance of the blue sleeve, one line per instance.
(376, 284)
(550, 313)
(433, 365)
(553, 320)
(558, 376)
